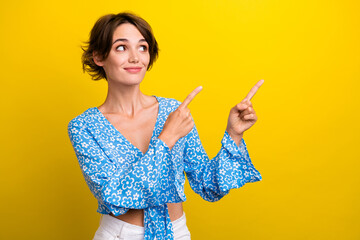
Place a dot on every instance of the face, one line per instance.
(129, 57)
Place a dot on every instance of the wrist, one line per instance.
(169, 141)
(235, 136)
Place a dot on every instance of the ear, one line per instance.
(97, 59)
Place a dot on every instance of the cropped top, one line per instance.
(121, 177)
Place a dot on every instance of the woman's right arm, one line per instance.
(139, 185)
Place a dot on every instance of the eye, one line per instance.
(143, 47)
(120, 48)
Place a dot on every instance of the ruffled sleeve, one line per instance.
(230, 168)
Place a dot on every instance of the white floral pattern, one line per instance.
(121, 177)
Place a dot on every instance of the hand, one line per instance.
(243, 115)
(179, 123)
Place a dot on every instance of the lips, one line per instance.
(133, 69)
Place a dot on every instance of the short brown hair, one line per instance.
(101, 41)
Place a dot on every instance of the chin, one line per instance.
(129, 80)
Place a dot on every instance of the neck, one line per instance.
(124, 99)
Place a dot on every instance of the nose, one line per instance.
(133, 57)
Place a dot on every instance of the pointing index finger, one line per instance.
(253, 90)
(190, 97)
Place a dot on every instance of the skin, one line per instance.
(134, 114)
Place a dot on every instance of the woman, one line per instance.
(135, 149)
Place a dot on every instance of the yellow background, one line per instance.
(305, 142)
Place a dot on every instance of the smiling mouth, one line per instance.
(133, 70)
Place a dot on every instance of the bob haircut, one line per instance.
(100, 41)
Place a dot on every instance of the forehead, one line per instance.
(127, 30)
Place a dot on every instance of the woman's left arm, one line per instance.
(232, 166)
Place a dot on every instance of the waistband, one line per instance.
(115, 225)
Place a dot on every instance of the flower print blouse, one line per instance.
(121, 177)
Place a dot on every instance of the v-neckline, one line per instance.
(121, 135)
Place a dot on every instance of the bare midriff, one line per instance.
(136, 216)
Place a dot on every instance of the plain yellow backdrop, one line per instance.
(305, 142)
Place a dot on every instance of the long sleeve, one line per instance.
(148, 182)
(230, 168)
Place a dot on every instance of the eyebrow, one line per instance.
(125, 40)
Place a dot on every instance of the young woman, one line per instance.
(135, 149)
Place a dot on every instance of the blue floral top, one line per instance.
(121, 177)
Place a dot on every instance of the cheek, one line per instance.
(147, 59)
(116, 59)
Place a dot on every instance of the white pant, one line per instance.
(113, 229)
